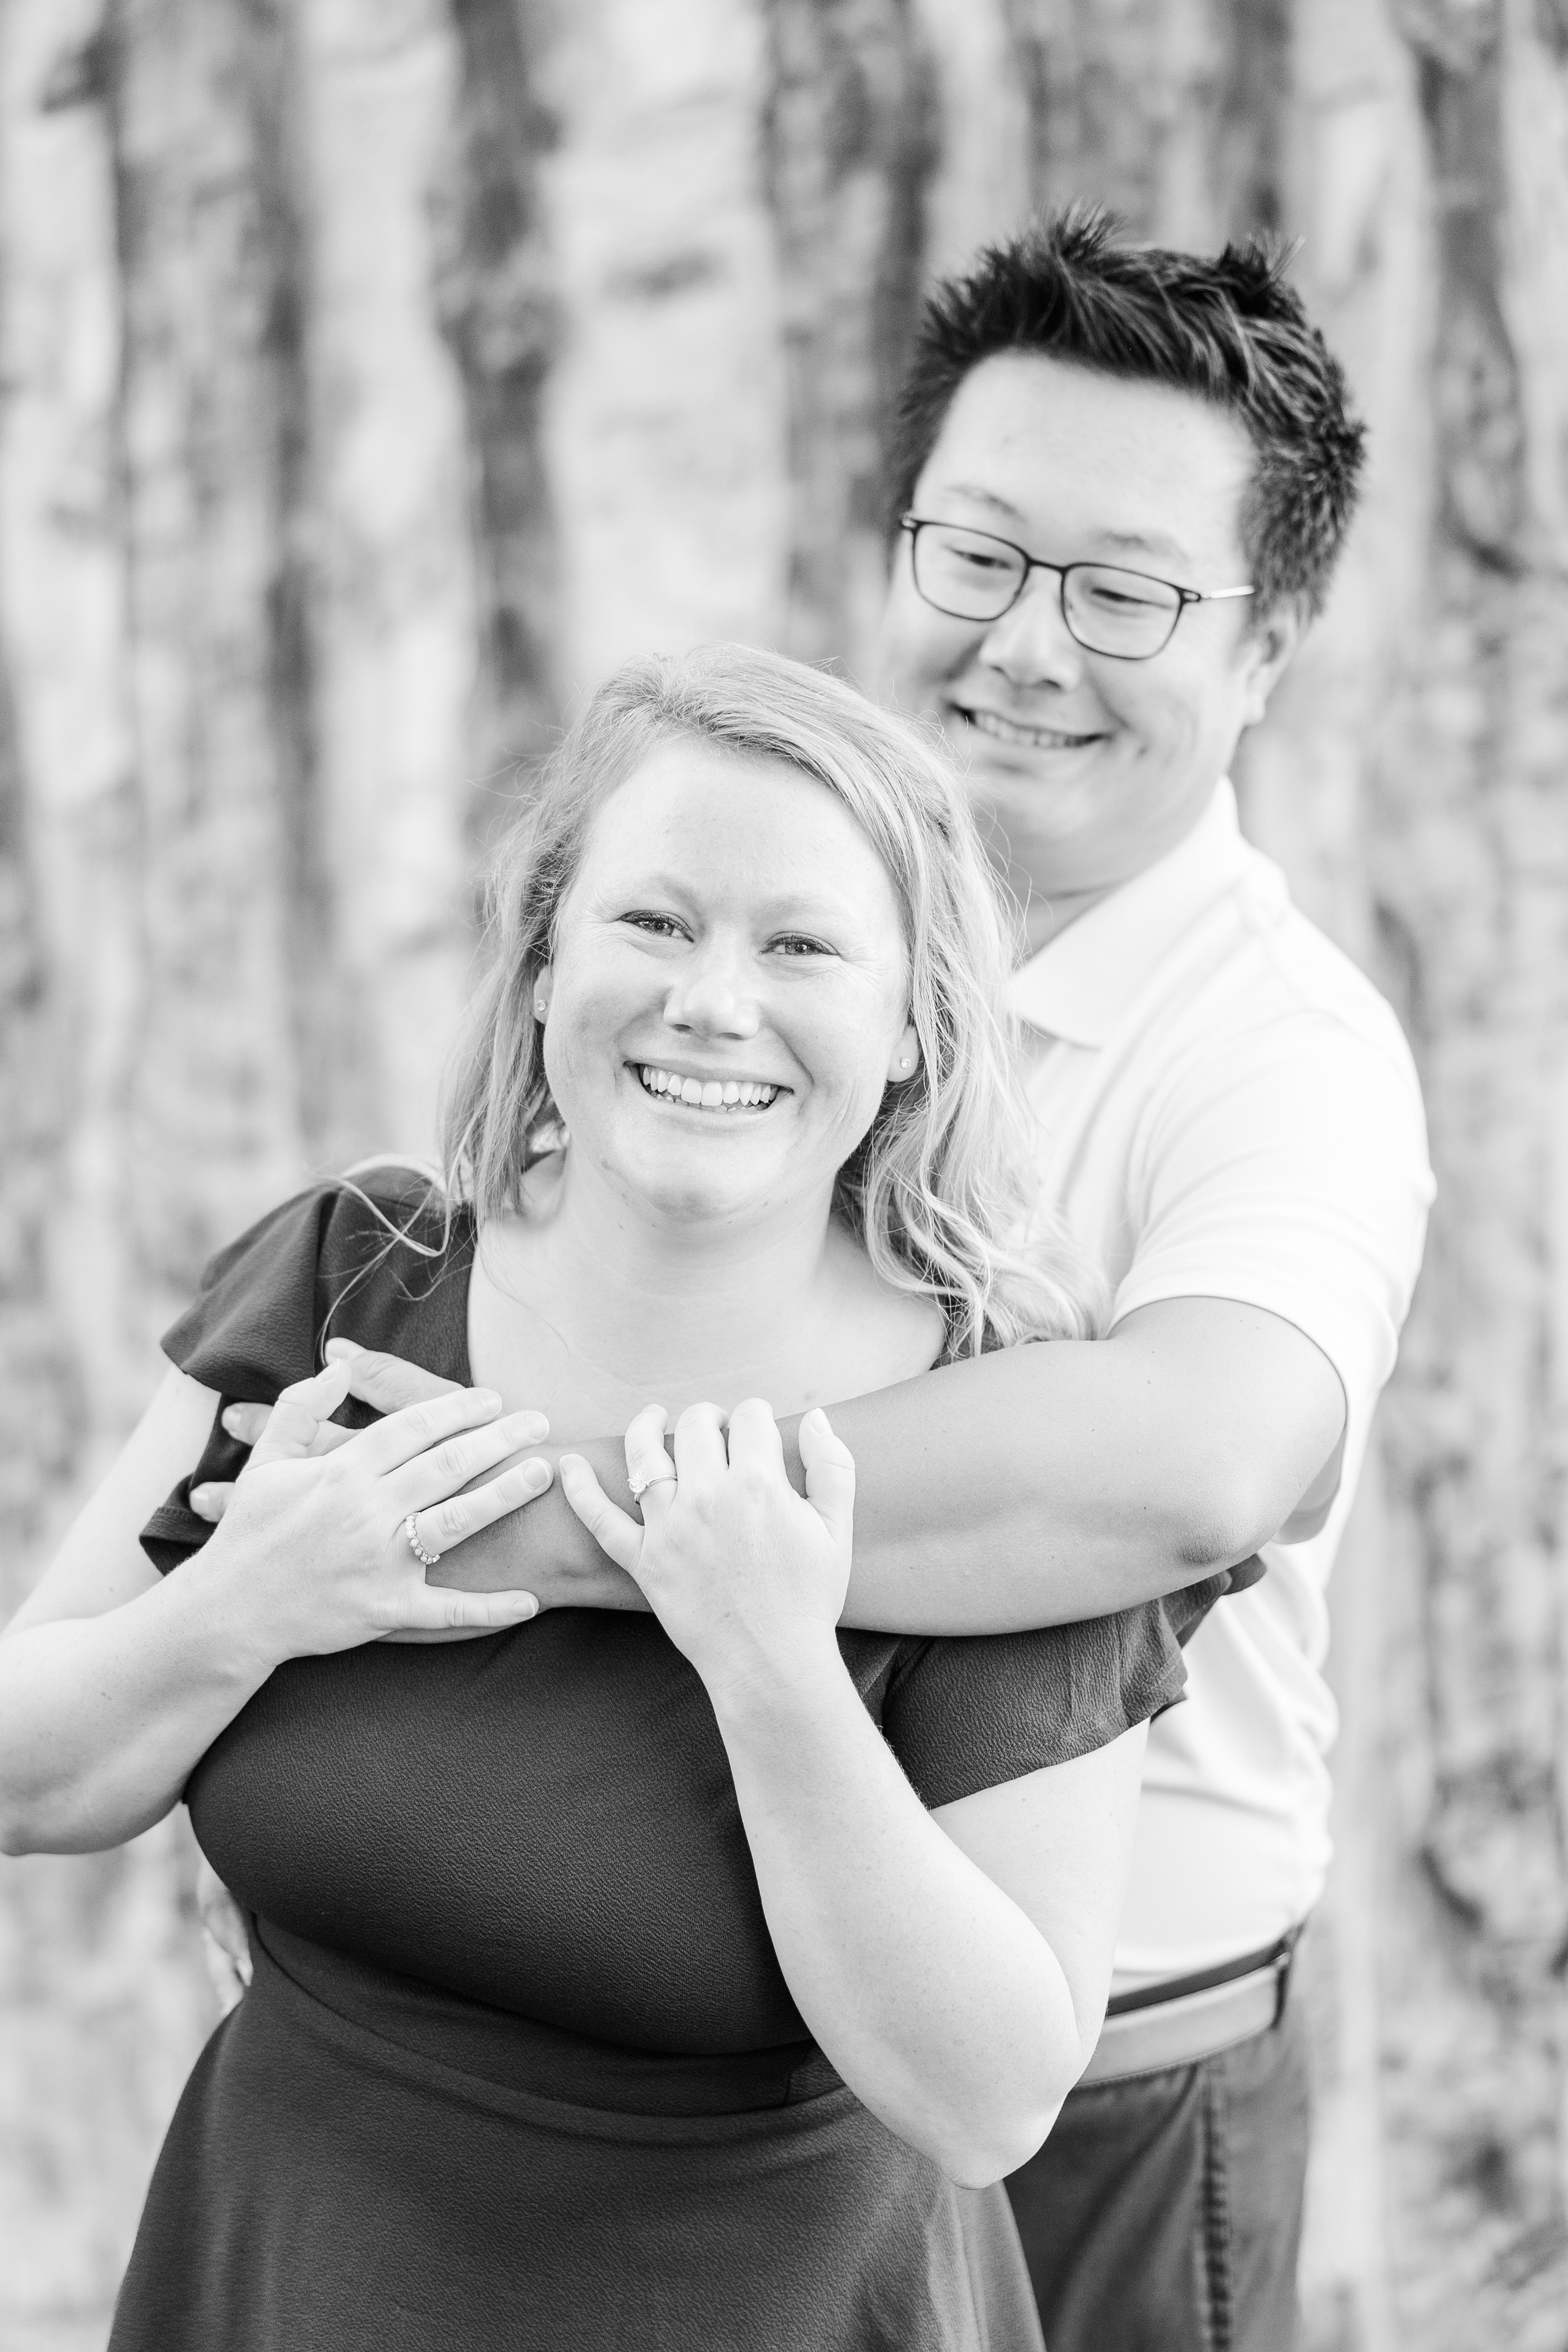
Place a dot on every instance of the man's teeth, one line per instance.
(707, 1094)
(1040, 739)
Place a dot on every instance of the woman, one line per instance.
(619, 1980)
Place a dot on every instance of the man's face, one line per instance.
(1085, 768)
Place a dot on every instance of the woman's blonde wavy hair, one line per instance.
(940, 1191)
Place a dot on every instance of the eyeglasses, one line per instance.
(974, 577)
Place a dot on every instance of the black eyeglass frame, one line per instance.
(914, 524)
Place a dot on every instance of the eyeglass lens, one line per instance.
(976, 577)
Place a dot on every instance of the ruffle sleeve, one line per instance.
(967, 1713)
(262, 1310)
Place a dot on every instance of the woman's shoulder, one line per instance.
(887, 1333)
(382, 1232)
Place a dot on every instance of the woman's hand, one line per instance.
(743, 1575)
(317, 1546)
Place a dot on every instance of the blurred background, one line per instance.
(374, 374)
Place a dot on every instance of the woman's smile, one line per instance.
(683, 1087)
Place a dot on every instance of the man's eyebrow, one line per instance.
(1126, 543)
(981, 498)
(1145, 543)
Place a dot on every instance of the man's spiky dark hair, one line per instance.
(1229, 330)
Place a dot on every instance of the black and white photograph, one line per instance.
(784, 1175)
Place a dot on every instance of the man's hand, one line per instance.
(225, 1937)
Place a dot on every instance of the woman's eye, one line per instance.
(796, 943)
(659, 927)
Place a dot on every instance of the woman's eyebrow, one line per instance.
(817, 907)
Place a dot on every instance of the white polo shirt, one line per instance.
(1228, 1109)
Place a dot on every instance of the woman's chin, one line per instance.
(679, 1179)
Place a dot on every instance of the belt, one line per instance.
(1190, 2018)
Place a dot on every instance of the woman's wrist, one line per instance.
(234, 1611)
(756, 1687)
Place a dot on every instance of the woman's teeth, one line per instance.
(707, 1094)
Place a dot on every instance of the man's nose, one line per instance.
(1031, 645)
(716, 993)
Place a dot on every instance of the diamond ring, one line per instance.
(425, 1559)
(655, 1478)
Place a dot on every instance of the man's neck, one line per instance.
(1044, 917)
(1048, 912)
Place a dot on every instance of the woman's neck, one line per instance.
(684, 1309)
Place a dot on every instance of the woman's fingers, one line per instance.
(650, 1472)
(432, 1477)
(441, 1525)
(830, 1469)
(620, 1536)
(247, 1423)
(754, 1440)
(388, 1383)
(299, 1414)
(440, 1608)
(387, 1445)
(699, 1444)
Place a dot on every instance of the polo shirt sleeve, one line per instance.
(1285, 1166)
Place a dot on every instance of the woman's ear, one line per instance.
(906, 1058)
(544, 981)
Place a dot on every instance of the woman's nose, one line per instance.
(1031, 645)
(716, 992)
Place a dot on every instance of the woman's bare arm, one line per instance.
(114, 1681)
(953, 1969)
(953, 1966)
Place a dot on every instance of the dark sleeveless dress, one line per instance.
(519, 2067)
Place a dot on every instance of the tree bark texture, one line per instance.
(375, 378)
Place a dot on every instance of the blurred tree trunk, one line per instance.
(391, 562)
(1471, 839)
(499, 307)
(62, 594)
(663, 426)
(849, 133)
(204, 100)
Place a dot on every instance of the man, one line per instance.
(1124, 476)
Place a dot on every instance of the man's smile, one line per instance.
(1009, 730)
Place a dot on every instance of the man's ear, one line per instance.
(1266, 655)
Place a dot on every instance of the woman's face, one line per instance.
(728, 997)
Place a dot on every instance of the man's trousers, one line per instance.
(1163, 2213)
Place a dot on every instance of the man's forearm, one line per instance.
(1032, 1486)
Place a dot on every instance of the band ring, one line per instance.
(655, 1478)
(425, 1559)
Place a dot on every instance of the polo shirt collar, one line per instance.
(1081, 983)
